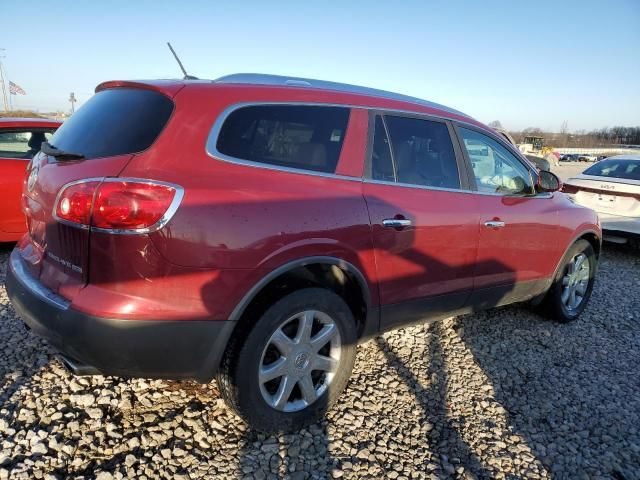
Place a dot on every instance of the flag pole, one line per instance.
(4, 91)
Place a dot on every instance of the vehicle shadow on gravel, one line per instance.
(432, 398)
(570, 391)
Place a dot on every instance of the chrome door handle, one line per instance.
(396, 222)
(494, 224)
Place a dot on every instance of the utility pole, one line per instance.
(72, 99)
(4, 91)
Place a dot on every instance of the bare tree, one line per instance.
(564, 129)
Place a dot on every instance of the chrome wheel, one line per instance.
(299, 361)
(575, 282)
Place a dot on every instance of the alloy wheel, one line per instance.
(575, 282)
(299, 361)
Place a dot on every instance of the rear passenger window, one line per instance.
(295, 136)
(421, 153)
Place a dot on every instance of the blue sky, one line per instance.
(522, 62)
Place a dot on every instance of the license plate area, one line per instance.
(606, 201)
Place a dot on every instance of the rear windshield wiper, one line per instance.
(49, 149)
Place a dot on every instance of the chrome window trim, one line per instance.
(28, 281)
(212, 139)
(173, 207)
(542, 195)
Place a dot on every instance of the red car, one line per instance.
(20, 140)
(255, 228)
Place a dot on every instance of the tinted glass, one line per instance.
(22, 143)
(381, 163)
(306, 137)
(626, 169)
(115, 122)
(422, 152)
(495, 168)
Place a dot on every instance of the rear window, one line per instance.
(626, 169)
(115, 122)
(295, 136)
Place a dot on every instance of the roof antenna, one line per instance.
(186, 75)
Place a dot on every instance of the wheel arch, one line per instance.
(352, 273)
(592, 236)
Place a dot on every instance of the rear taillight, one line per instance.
(117, 205)
(570, 189)
(74, 202)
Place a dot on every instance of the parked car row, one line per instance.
(581, 157)
(255, 228)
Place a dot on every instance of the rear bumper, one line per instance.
(629, 226)
(128, 348)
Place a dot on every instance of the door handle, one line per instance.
(494, 224)
(396, 222)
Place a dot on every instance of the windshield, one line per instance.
(626, 169)
(114, 122)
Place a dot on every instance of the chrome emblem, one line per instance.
(301, 361)
(608, 187)
(33, 177)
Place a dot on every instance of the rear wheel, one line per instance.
(571, 289)
(293, 363)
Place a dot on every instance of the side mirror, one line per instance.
(548, 182)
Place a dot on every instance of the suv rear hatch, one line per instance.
(96, 142)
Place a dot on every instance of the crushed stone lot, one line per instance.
(501, 394)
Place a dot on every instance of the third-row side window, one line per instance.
(295, 136)
(415, 151)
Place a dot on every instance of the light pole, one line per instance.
(72, 100)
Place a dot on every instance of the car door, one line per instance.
(15, 153)
(517, 248)
(423, 219)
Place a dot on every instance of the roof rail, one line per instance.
(278, 80)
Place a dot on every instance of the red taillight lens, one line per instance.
(567, 188)
(74, 202)
(130, 205)
(116, 205)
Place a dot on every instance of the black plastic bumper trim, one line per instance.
(173, 349)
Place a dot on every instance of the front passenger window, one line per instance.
(495, 168)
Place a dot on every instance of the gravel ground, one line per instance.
(502, 394)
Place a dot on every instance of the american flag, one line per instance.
(15, 89)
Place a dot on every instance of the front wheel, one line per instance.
(288, 370)
(571, 288)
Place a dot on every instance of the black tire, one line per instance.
(552, 305)
(238, 374)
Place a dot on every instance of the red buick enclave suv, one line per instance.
(255, 228)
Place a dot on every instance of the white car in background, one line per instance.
(611, 187)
